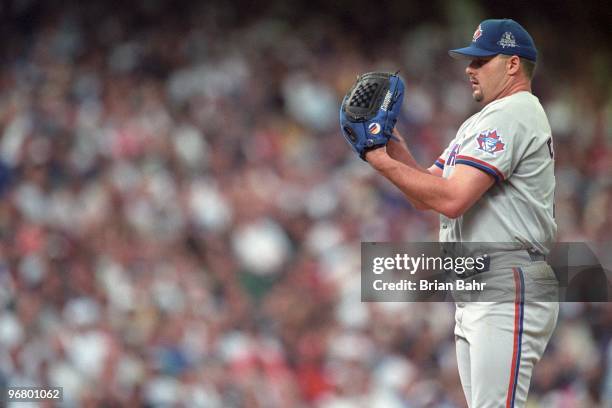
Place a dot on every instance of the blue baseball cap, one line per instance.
(494, 37)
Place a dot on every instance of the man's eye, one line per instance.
(479, 62)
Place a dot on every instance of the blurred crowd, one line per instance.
(181, 219)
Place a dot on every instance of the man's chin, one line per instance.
(477, 96)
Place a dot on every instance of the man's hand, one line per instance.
(397, 145)
(398, 150)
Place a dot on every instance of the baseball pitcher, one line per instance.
(494, 183)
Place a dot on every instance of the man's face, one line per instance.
(488, 77)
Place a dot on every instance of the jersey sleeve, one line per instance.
(441, 161)
(495, 145)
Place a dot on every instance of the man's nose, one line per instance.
(469, 70)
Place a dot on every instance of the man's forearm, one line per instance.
(418, 186)
(404, 156)
(399, 151)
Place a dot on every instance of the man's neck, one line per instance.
(513, 88)
(516, 87)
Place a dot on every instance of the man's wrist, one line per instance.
(376, 157)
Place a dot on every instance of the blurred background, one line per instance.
(180, 217)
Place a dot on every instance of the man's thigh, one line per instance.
(505, 342)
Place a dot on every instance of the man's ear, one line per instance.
(513, 65)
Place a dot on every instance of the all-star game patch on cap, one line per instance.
(494, 37)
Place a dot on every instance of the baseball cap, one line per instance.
(504, 36)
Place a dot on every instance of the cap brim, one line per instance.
(470, 52)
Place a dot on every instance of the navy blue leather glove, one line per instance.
(370, 109)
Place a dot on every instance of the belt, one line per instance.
(501, 260)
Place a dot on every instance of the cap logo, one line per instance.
(477, 33)
(507, 40)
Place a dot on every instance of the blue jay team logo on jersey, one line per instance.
(490, 142)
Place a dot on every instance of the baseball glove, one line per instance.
(369, 110)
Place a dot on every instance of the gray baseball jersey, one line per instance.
(510, 139)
